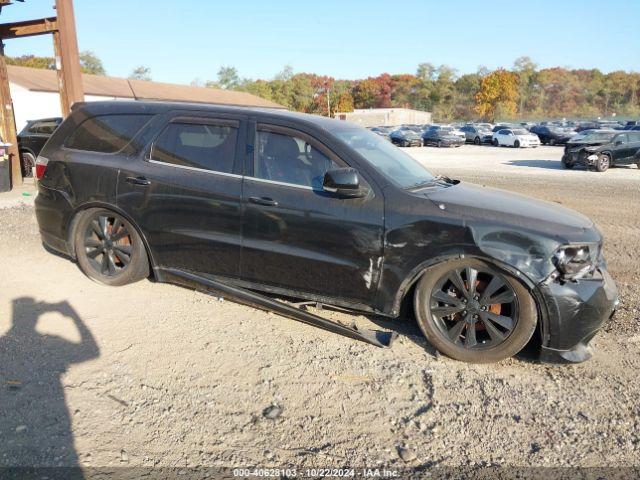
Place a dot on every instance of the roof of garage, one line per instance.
(42, 80)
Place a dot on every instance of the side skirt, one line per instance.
(256, 300)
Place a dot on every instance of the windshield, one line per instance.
(599, 136)
(392, 162)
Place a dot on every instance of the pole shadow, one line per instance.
(35, 425)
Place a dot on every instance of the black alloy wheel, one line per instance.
(471, 311)
(109, 249)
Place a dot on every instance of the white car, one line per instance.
(515, 137)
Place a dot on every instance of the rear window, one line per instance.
(106, 133)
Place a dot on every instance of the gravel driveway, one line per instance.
(154, 375)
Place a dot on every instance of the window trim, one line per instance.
(292, 132)
(195, 120)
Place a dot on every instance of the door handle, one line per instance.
(266, 201)
(138, 181)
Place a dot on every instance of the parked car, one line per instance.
(406, 137)
(32, 138)
(253, 202)
(476, 134)
(631, 125)
(515, 137)
(442, 137)
(384, 132)
(452, 130)
(552, 135)
(602, 149)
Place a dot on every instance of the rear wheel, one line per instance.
(477, 141)
(552, 141)
(566, 165)
(439, 144)
(603, 163)
(471, 311)
(109, 249)
(27, 162)
(495, 142)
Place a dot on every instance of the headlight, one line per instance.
(576, 261)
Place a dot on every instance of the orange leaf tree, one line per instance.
(498, 95)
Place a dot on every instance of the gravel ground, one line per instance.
(153, 375)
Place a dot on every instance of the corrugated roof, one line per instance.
(47, 81)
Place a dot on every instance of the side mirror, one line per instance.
(343, 182)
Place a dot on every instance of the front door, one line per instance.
(185, 193)
(298, 237)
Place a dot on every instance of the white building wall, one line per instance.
(31, 105)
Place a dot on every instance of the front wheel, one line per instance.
(477, 141)
(473, 312)
(603, 163)
(439, 144)
(552, 142)
(516, 144)
(109, 249)
(495, 142)
(27, 162)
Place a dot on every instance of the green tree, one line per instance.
(228, 78)
(141, 73)
(90, 63)
(525, 68)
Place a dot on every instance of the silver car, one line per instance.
(476, 134)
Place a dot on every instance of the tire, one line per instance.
(638, 164)
(477, 141)
(495, 142)
(498, 331)
(439, 144)
(552, 142)
(125, 260)
(27, 163)
(516, 144)
(603, 163)
(565, 165)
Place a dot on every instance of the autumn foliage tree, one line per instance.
(498, 95)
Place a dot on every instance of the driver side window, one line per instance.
(289, 159)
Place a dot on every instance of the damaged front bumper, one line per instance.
(576, 311)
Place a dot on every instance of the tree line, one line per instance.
(524, 91)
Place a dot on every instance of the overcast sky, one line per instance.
(181, 40)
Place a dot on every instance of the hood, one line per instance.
(581, 143)
(478, 204)
(515, 229)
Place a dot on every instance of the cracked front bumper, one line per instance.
(576, 311)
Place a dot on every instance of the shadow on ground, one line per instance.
(549, 164)
(35, 425)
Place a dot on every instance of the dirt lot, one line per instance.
(154, 375)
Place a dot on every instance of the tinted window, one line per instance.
(503, 132)
(106, 133)
(620, 138)
(210, 147)
(45, 128)
(634, 137)
(289, 159)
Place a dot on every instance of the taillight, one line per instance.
(41, 166)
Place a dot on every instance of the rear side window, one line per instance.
(106, 133)
(204, 146)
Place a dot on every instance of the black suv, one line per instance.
(255, 200)
(602, 149)
(31, 140)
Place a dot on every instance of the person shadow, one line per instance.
(35, 425)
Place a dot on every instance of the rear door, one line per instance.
(184, 191)
(631, 147)
(298, 237)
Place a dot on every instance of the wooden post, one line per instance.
(65, 106)
(69, 56)
(9, 133)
